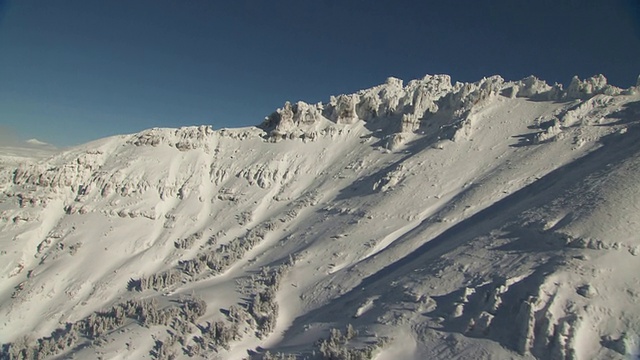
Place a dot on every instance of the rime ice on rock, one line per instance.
(532, 87)
(405, 109)
(342, 109)
(579, 89)
(390, 102)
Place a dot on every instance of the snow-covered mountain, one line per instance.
(494, 219)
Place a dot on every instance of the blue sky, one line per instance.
(76, 70)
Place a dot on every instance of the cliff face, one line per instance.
(440, 220)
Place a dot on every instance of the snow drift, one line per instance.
(434, 220)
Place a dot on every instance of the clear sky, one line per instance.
(76, 70)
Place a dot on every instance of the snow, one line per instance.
(496, 219)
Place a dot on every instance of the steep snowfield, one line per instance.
(443, 221)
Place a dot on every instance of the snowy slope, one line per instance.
(448, 221)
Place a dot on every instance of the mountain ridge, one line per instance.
(428, 214)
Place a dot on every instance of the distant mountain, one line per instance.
(15, 152)
(431, 220)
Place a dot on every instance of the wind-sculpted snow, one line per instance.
(495, 219)
(390, 100)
